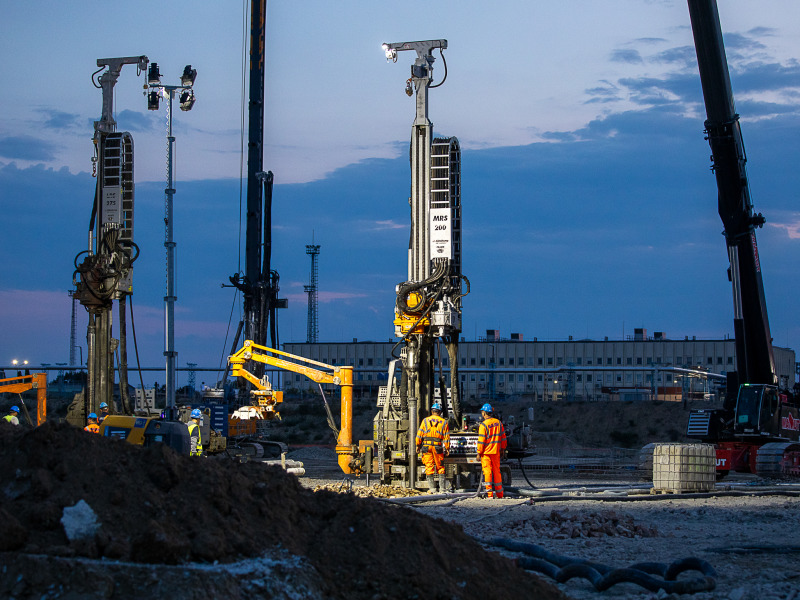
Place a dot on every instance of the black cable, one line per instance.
(135, 346)
(444, 62)
(95, 73)
(602, 577)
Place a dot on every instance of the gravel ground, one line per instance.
(753, 543)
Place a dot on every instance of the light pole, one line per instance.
(187, 99)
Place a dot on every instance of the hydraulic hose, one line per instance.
(602, 577)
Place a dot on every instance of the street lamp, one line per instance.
(186, 99)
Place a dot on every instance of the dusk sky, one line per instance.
(588, 205)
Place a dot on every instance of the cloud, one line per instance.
(629, 56)
(25, 147)
(383, 225)
(792, 229)
(136, 121)
(56, 119)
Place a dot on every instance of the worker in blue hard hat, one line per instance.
(491, 444)
(11, 417)
(433, 440)
(92, 427)
(103, 412)
(196, 447)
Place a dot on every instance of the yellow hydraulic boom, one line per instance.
(341, 376)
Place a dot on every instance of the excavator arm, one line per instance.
(340, 376)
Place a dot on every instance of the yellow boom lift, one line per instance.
(340, 376)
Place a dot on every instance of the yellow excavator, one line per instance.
(349, 456)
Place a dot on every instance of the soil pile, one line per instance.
(150, 506)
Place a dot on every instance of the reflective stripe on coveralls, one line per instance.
(92, 428)
(491, 442)
(433, 437)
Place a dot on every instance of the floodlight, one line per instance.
(187, 100)
(153, 75)
(152, 101)
(188, 77)
(391, 53)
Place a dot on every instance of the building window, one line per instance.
(619, 360)
(710, 360)
(360, 362)
(501, 378)
(719, 360)
(730, 360)
(472, 377)
(502, 361)
(639, 360)
(530, 378)
(609, 361)
(444, 362)
(483, 361)
(472, 362)
(629, 361)
(464, 362)
(589, 377)
(369, 362)
(539, 378)
(510, 362)
(519, 378)
(649, 361)
(579, 360)
(579, 378)
(539, 361)
(549, 361)
(464, 377)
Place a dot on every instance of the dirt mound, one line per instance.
(153, 507)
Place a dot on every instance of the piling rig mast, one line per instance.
(259, 285)
(105, 272)
(428, 305)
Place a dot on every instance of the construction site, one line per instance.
(423, 467)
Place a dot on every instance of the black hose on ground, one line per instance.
(602, 577)
(522, 468)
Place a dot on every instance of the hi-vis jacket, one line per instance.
(433, 434)
(491, 437)
(196, 448)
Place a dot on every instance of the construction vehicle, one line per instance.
(428, 307)
(23, 383)
(147, 431)
(103, 272)
(264, 399)
(758, 428)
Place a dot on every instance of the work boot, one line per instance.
(442, 484)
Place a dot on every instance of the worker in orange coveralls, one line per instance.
(491, 444)
(433, 439)
(92, 427)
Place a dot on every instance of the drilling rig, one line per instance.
(103, 272)
(428, 304)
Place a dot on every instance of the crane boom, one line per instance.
(754, 355)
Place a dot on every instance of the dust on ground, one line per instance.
(159, 524)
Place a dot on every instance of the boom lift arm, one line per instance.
(341, 376)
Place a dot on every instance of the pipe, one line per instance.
(344, 444)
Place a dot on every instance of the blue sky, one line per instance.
(589, 208)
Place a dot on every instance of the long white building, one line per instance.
(641, 368)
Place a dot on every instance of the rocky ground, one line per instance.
(751, 541)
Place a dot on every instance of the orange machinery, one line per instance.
(23, 383)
